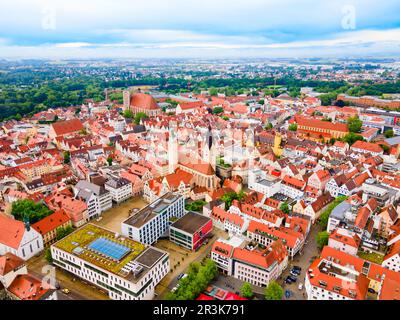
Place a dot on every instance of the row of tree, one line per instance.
(197, 280)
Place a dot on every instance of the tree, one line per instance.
(230, 196)
(385, 148)
(213, 92)
(28, 210)
(354, 124)
(285, 208)
(109, 160)
(67, 157)
(269, 126)
(63, 232)
(389, 134)
(195, 205)
(293, 127)
(273, 291)
(324, 217)
(322, 239)
(246, 291)
(139, 116)
(128, 114)
(199, 276)
(48, 256)
(351, 138)
(218, 110)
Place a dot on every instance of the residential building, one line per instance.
(119, 188)
(96, 197)
(48, 226)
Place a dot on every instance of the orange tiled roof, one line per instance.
(9, 262)
(69, 126)
(11, 231)
(51, 222)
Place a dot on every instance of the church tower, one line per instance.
(277, 148)
(210, 149)
(126, 94)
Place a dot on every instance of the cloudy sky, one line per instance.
(198, 28)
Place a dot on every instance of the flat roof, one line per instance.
(190, 222)
(114, 253)
(147, 213)
(149, 257)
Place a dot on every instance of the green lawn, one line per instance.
(373, 257)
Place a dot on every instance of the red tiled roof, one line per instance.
(144, 101)
(51, 222)
(367, 146)
(69, 126)
(11, 231)
(27, 287)
(315, 123)
(9, 262)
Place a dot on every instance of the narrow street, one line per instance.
(79, 290)
(303, 259)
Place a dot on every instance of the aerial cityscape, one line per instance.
(236, 177)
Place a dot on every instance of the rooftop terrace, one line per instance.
(102, 248)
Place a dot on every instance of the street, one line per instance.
(79, 290)
(180, 259)
(310, 251)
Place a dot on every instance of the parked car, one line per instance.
(180, 276)
(294, 272)
(370, 290)
(293, 278)
(300, 286)
(66, 291)
(296, 268)
(288, 280)
(288, 294)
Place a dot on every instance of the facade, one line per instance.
(254, 265)
(190, 231)
(126, 269)
(259, 182)
(265, 235)
(320, 129)
(153, 221)
(48, 226)
(119, 188)
(19, 239)
(141, 102)
(97, 198)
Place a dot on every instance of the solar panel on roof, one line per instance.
(109, 248)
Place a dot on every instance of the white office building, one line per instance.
(153, 221)
(126, 269)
